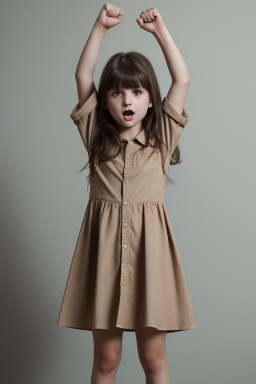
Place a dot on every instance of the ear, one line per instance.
(150, 105)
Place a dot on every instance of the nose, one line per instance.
(126, 99)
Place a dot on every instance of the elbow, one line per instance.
(78, 74)
(182, 81)
(187, 80)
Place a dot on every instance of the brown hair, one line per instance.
(126, 70)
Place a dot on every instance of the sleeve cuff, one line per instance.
(86, 108)
(179, 118)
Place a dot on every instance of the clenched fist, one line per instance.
(150, 20)
(110, 15)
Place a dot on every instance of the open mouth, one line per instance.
(128, 113)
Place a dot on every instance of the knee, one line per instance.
(152, 360)
(107, 360)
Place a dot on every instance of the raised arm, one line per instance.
(108, 17)
(151, 21)
(87, 63)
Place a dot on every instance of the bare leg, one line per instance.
(107, 355)
(152, 355)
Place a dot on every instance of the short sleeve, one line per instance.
(84, 118)
(173, 124)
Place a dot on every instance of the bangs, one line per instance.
(126, 76)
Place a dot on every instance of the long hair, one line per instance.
(126, 70)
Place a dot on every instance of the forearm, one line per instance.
(176, 65)
(90, 54)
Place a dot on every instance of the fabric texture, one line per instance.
(126, 270)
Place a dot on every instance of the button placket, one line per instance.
(126, 219)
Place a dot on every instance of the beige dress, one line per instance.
(126, 271)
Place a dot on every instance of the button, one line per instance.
(126, 181)
(124, 264)
(125, 246)
(125, 203)
(125, 224)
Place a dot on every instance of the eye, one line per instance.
(115, 92)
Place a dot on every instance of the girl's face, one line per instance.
(137, 100)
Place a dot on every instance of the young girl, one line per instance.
(126, 273)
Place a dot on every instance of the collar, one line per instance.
(140, 137)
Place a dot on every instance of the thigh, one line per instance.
(150, 341)
(107, 341)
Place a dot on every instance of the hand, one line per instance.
(109, 16)
(150, 20)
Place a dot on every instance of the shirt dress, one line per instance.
(126, 270)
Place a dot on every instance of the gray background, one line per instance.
(43, 197)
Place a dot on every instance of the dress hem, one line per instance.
(177, 328)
